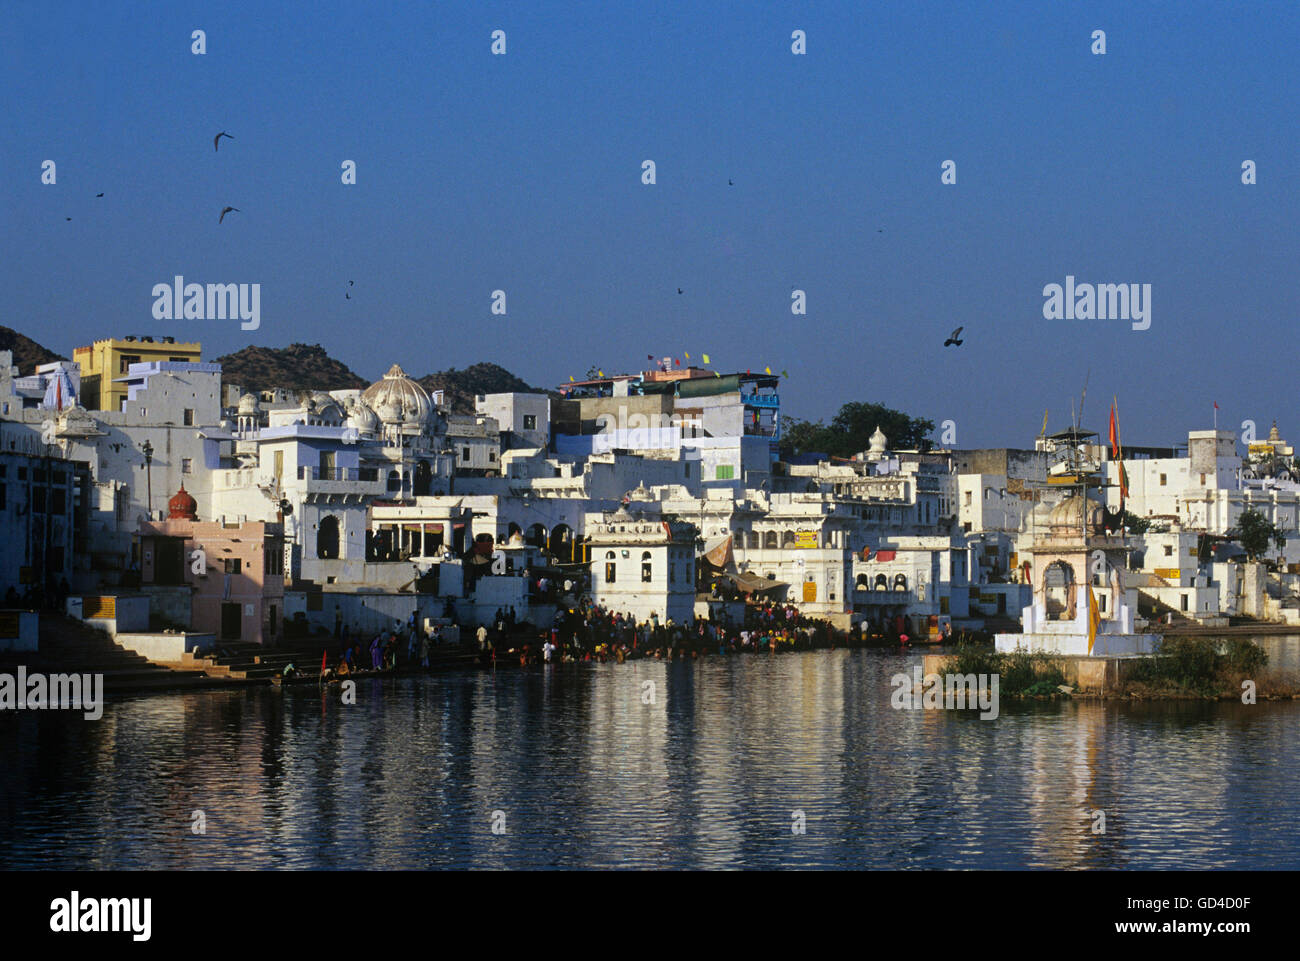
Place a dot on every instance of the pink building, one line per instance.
(235, 572)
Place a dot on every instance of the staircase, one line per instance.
(244, 661)
(69, 647)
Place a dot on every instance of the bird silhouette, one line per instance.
(226, 211)
(952, 340)
(218, 137)
(99, 195)
(351, 282)
(730, 182)
(347, 296)
(67, 218)
(679, 290)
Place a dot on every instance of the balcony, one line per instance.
(769, 401)
(342, 480)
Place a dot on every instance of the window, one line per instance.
(645, 567)
(187, 417)
(492, 457)
(187, 465)
(1169, 550)
(686, 468)
(968, 501)
(464, 453)
(609, 572)
(1183, 599)
(233, 565)
(726, 472)
(1202, 480)
(530, 422)
(125, 361)
(1163, 478)
(672, 573)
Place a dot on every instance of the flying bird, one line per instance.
(347, 296)
(952, 340)
(730, 182)
(99, 195)
(67, 218)
(679, 290)
(226, 211)
(218, 137)
(351, 282)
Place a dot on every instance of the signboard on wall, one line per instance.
(805, 539)
(809, 592)
(1169, 573)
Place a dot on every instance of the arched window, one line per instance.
(645, 567)
(787, 538)
(882, 582)
(394, 481)
(770, 541)
(864, 582)
(327, 537)
(755, 542)
(900, 582)
(1059, 591)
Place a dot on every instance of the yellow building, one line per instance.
(107, 360)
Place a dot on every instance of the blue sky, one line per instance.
(522, 173)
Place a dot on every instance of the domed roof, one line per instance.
(322, 405)
(361, 417)
(1067, 516)
(248, 404)
(878, 440)
(397, 398)
(182, 506)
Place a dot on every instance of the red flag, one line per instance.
(1216, 405)
(324, 661)
(677, 362)
(1114, 435)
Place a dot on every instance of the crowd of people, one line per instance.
(588, 632)
(592, 633)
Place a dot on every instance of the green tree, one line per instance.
(849, 432)
(1134, 524)
(1255, 533)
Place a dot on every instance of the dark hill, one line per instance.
(296, 367)
(461, 386)
(27, 353)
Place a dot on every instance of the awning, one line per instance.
(886, 555)
(719, 554)
(752, 583)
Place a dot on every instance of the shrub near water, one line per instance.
(1199, 666)
(1020, 673)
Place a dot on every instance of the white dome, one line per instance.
(362, 418)
(878, 441)
(248, 404)
(398, 399)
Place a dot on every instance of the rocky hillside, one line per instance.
(461, 386)
(27, 353)
(296, 367)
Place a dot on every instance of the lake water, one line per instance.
(710, 775)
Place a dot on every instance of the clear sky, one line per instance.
(522, 173)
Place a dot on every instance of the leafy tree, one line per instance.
(849, 432)
(1255, 533)
(1134, 524)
